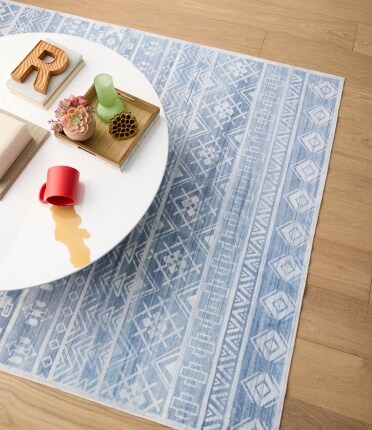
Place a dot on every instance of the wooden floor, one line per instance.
(330, 384)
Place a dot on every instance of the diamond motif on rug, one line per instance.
(320, 115)
(293, 233)
(254, 424)
(325, 89)
(279, 305)
(270, 345)
(314, 142)
(286, 268)
(262, 389)
(307, 170)
(300, 201)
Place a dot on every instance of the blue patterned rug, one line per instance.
(191, 320)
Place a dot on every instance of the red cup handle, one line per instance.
(42, 194)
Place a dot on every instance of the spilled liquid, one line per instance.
(67, 231)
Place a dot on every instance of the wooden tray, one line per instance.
(102, 144)
(38, 137)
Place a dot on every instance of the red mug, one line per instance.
(61, 186)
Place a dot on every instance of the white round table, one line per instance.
(111, 202)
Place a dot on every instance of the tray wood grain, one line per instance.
(102, 144)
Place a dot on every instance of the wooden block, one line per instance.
(331, 379)
(339, 268)
(39, 135)
(34, 60)
(363, 40)
(298, 415)
(56, 84)
(337, 322)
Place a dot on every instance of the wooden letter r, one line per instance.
(34, 61)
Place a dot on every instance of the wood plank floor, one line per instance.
(330, 383)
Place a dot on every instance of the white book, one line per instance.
(13, 139)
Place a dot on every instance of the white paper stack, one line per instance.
(14, 136)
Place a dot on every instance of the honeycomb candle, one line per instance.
(109, 104)
(14, 136)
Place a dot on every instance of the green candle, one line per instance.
(109, 103)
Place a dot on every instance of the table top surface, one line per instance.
(111, 201)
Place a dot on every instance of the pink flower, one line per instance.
(62, 107)
(76, 101)
(76, 120)
(55, 126)
(73, 113)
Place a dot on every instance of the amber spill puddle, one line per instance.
(67, 231)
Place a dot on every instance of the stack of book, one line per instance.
(19, 141)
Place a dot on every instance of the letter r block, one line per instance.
(34, 61)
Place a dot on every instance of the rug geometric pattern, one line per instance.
(190, 321)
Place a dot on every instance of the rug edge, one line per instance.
(301, 291)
